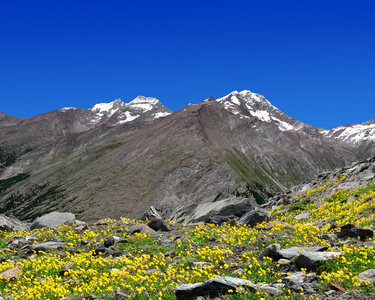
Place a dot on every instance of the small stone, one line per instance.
(270, 251)
(108, 243)
(284, 262)
(303, 216)
(12, 274)
(119, 295)
(100, 250)
(368, 275)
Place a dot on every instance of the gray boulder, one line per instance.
(227, 207)
(255, 217)
(11, 224)
(310, 260)
(291, 252)
(270, 251)
(298, 278)
(53, 219)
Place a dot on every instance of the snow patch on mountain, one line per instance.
(355, 133)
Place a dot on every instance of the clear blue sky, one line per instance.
(314, 60)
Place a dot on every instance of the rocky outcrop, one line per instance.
(12, 224)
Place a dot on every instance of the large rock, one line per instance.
(213, 287)
(310, 260)
(141, 228)
(270, 251)
(291, 252)
(11, 224)
(255, 217)
(158, 224)
(53, 219)
(203, 212)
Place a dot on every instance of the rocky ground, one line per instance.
(311, 242)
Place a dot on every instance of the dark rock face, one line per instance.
(363, 234)
(158, 224)
(310, 260)
(255, 217)
(53, 219)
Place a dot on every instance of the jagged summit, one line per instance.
(250, 105)
(119, 112)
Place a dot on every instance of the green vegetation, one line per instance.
(146, 271)
(7, 183)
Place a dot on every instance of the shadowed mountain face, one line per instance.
(117, 159)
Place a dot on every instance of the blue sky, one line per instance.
(314, 60)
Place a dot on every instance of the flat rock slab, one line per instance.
(47, 245)
(289, 253)
(53, 219)
(310, 260)
(213, 287)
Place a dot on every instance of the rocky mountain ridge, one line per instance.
(118, 159)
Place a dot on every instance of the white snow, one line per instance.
(283, 126)
(354, 133)
(261, 115)
(235, 100)
(64, 109)
(161, 114)
(142, 99)
(144, 106)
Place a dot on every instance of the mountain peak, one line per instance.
(250, 105)
(145, 103)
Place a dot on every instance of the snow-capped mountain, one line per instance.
(118, 112)
(249, 105)
(116, 160)
(353, 133)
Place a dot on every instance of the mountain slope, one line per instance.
(117, 159)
